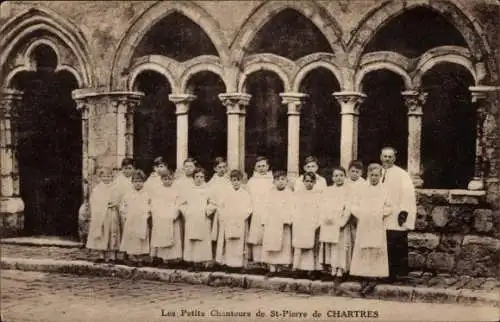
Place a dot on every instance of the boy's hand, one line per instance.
(403, 215)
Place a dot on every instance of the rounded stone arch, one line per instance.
(200, 64)
(445, 54)
(380, 16)
(313, 11)
(394, 62)
(250, 69)
(155, 63)
(149, 18)
(17, 42)
(312, 62)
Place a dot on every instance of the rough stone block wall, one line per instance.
(457, 235)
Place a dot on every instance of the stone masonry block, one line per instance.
(487, 242)
(483, 220)
(422, 218)
(450, 243)
(440, 216)
(394, 292)
(440, 261)
(423, 240)
(416, 260)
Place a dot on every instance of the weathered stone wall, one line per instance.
(455, 234)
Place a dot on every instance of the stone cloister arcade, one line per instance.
(288, 84)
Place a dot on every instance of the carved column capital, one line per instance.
(9, 101)
(181, 102)
(349, 101)
(294, 101)
(120, 102)
(414, 100)
(235, 102)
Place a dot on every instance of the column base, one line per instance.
(417, 181)
(11, 216)
(476, 184)
(83, 222)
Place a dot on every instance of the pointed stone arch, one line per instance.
(267, 10)
(451, 11)
(36, 26)
(148, 19)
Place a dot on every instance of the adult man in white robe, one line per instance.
(401, 191)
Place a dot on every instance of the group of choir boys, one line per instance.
(315, 229)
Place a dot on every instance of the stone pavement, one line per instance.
(52, 297)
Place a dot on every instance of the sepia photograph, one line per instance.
(252, 160)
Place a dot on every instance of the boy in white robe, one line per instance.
(259, 186)
(311, 164)
(154, 180)
(136, 207)
(335, 236)
(122, 186)
(184, 180)
(305, 224)
(197, 210)
(166, 232)
(104, 230)
(234, 209)
(277, 239)
(370, 259)
(219, 184)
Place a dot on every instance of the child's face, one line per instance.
(221, 169)
(355, 174)
(128, 170)
(189, 168)
(167, 181)
(338, 177)
(160, 169)
(262, 167)
(106, 178)
(374, 177)
(281, 182)
(138, 184)
(199, 178)
(311, 167)
(309, 183)
(236, 182)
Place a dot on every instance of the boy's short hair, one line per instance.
(278, 174)
(159, 161)
(167, 175)
(218, 161)
(199, 170)
(104, 170)
(310, 175)
(356, 164)
(261, 158)
(373, 167)
(128, 161)
(192, 160)
(238, 174)
(339, 168)
(311, 159)
(138, 175)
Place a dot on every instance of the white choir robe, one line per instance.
(183, 183)
(259, 186)
(197, 212)
(234, 209)
(166, 231)
(122, 186)
(370, 258)
(218, 188)
(401, 191)
(335, 238)
(277, 239)
(305, 223)
(104, 232)
(136, 207)
(318, 187)
(153, 183)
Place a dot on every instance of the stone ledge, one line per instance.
(349, 289)
(41, 241)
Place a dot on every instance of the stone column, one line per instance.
(349, 110)
(414, 101)
(235, 104)
(293, 101)
(182, 102)
(11, 204)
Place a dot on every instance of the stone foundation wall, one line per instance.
(456, 233)
(11, 217)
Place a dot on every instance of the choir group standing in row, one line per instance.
(354, 226)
